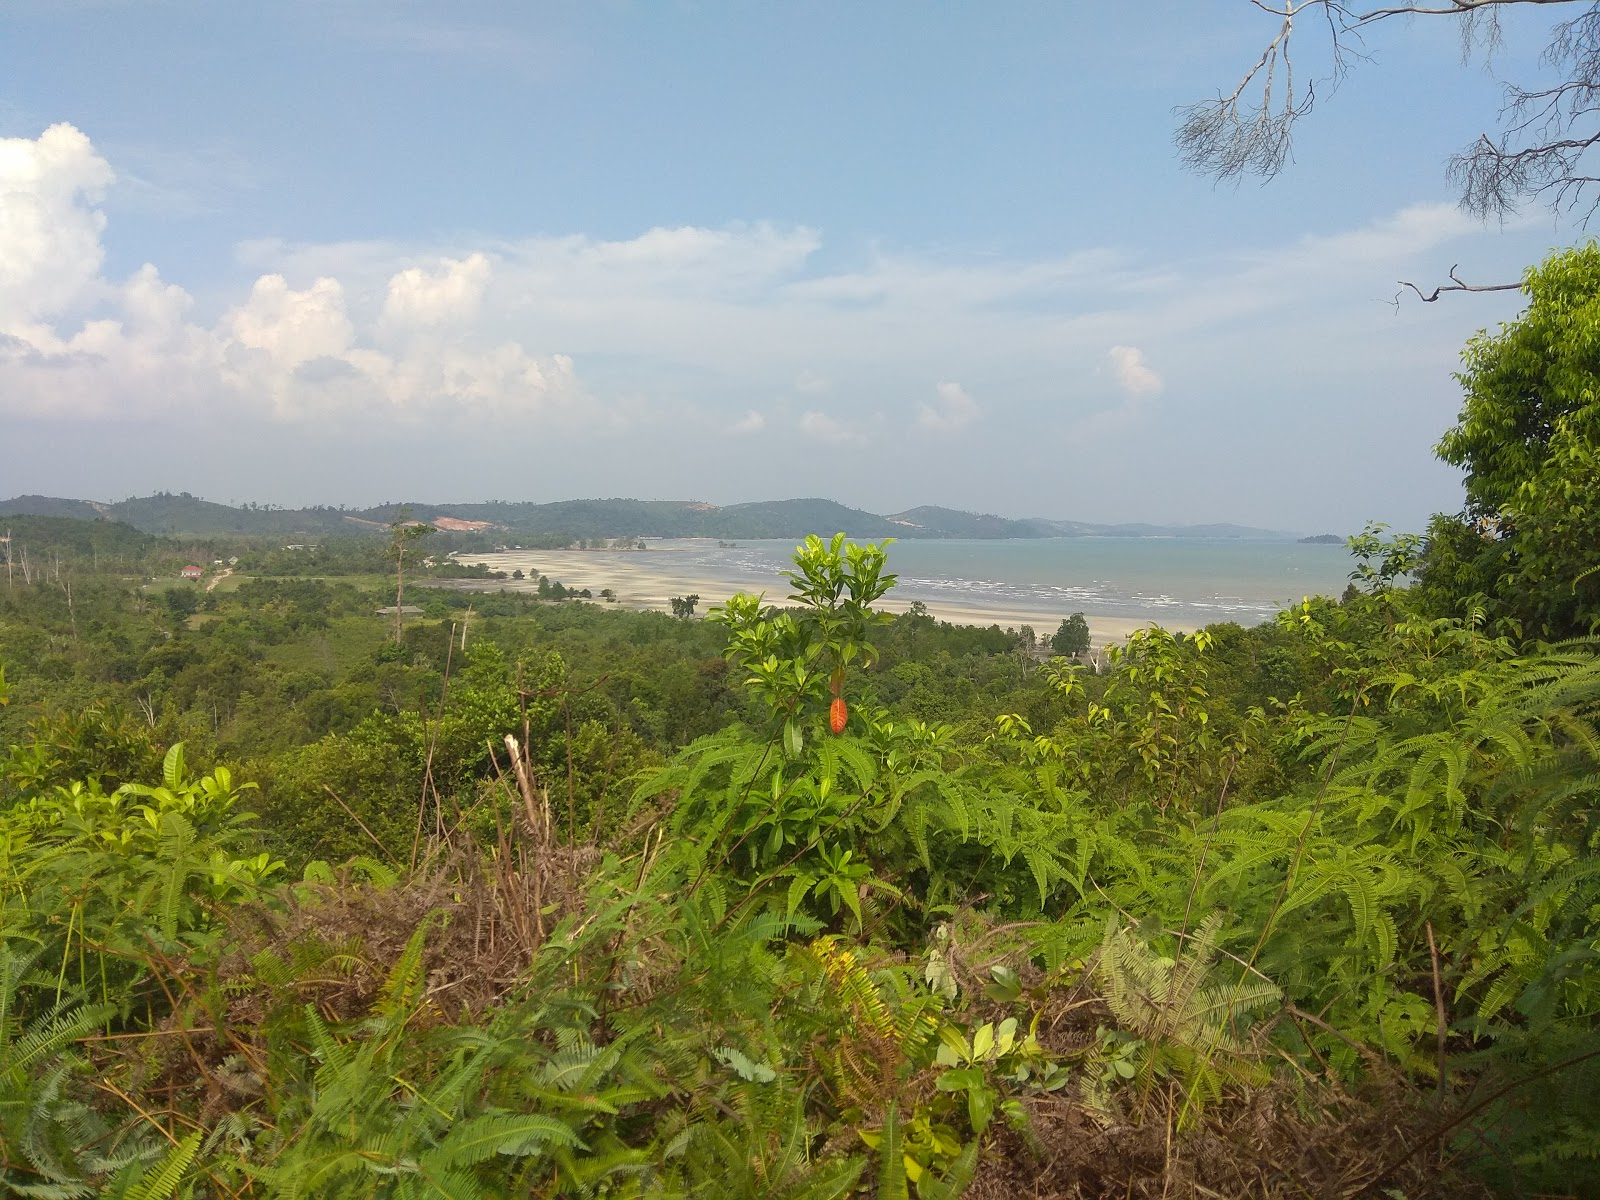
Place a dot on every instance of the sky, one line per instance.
(341, 252)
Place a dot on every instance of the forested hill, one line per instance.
(183, 514)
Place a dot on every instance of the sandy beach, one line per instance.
(648, 579)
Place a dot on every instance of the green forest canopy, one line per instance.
(570, 520)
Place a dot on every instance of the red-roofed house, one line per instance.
(191, 572)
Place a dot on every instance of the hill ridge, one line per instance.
(182, 513)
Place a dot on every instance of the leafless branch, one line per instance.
(1456, 284)
(1541, 151)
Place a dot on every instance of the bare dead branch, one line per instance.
(1456, 284)
(1540, 153)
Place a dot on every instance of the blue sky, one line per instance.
(895, 254)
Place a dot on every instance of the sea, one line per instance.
(1174, 581)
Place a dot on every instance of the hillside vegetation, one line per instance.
(805, 900)
(570, 520)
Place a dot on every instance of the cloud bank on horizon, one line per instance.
(690, 332)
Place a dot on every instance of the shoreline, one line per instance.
(643, 582)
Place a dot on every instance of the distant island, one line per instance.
(183, 514)
(1323, 539)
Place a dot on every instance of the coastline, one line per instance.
(647, 581)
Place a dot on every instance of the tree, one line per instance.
(1072, 639)
(683, 606)
(402, 533)
(181, 603)
(1542, 149)
(1529, 440)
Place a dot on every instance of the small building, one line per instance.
(191, 572)
(406, 610)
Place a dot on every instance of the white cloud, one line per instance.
(73, 343)
(450, 294)
(293, 327)
(153, 305)
(50, 251)
(1415, 227)
(1133, 375)
(683, 328)
(955, 411)
(823, 428)
(739, 252)
(1139, 385)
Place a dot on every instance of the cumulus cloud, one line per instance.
(153, 306)
(50, 250)
(681, 328)
(451, 293)
(954, 412)
(290, 326)
(73, 343)
(1133, 375)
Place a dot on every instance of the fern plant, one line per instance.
(54, 1144)
(1190, 1015)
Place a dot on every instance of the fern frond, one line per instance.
(163, 1181)
(892, 1181)
(480, 1138)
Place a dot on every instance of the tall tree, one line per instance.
(1072, 638)
(403, 531)
(1529, 440)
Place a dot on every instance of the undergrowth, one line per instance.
(1154, 939)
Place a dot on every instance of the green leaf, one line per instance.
(479, 1138)
(743, 1066)
(162, 1182)
(847, 889)
(980, 1108)
(797, 891)
(1005, 985)
(831, 1183)
(892, 1184)
(956, 1179)
(1005, 1037)
(956, 1043)
(173, 769)
(983, 1041)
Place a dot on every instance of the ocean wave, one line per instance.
(1255, 579)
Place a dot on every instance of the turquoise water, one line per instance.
(1161, 579)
